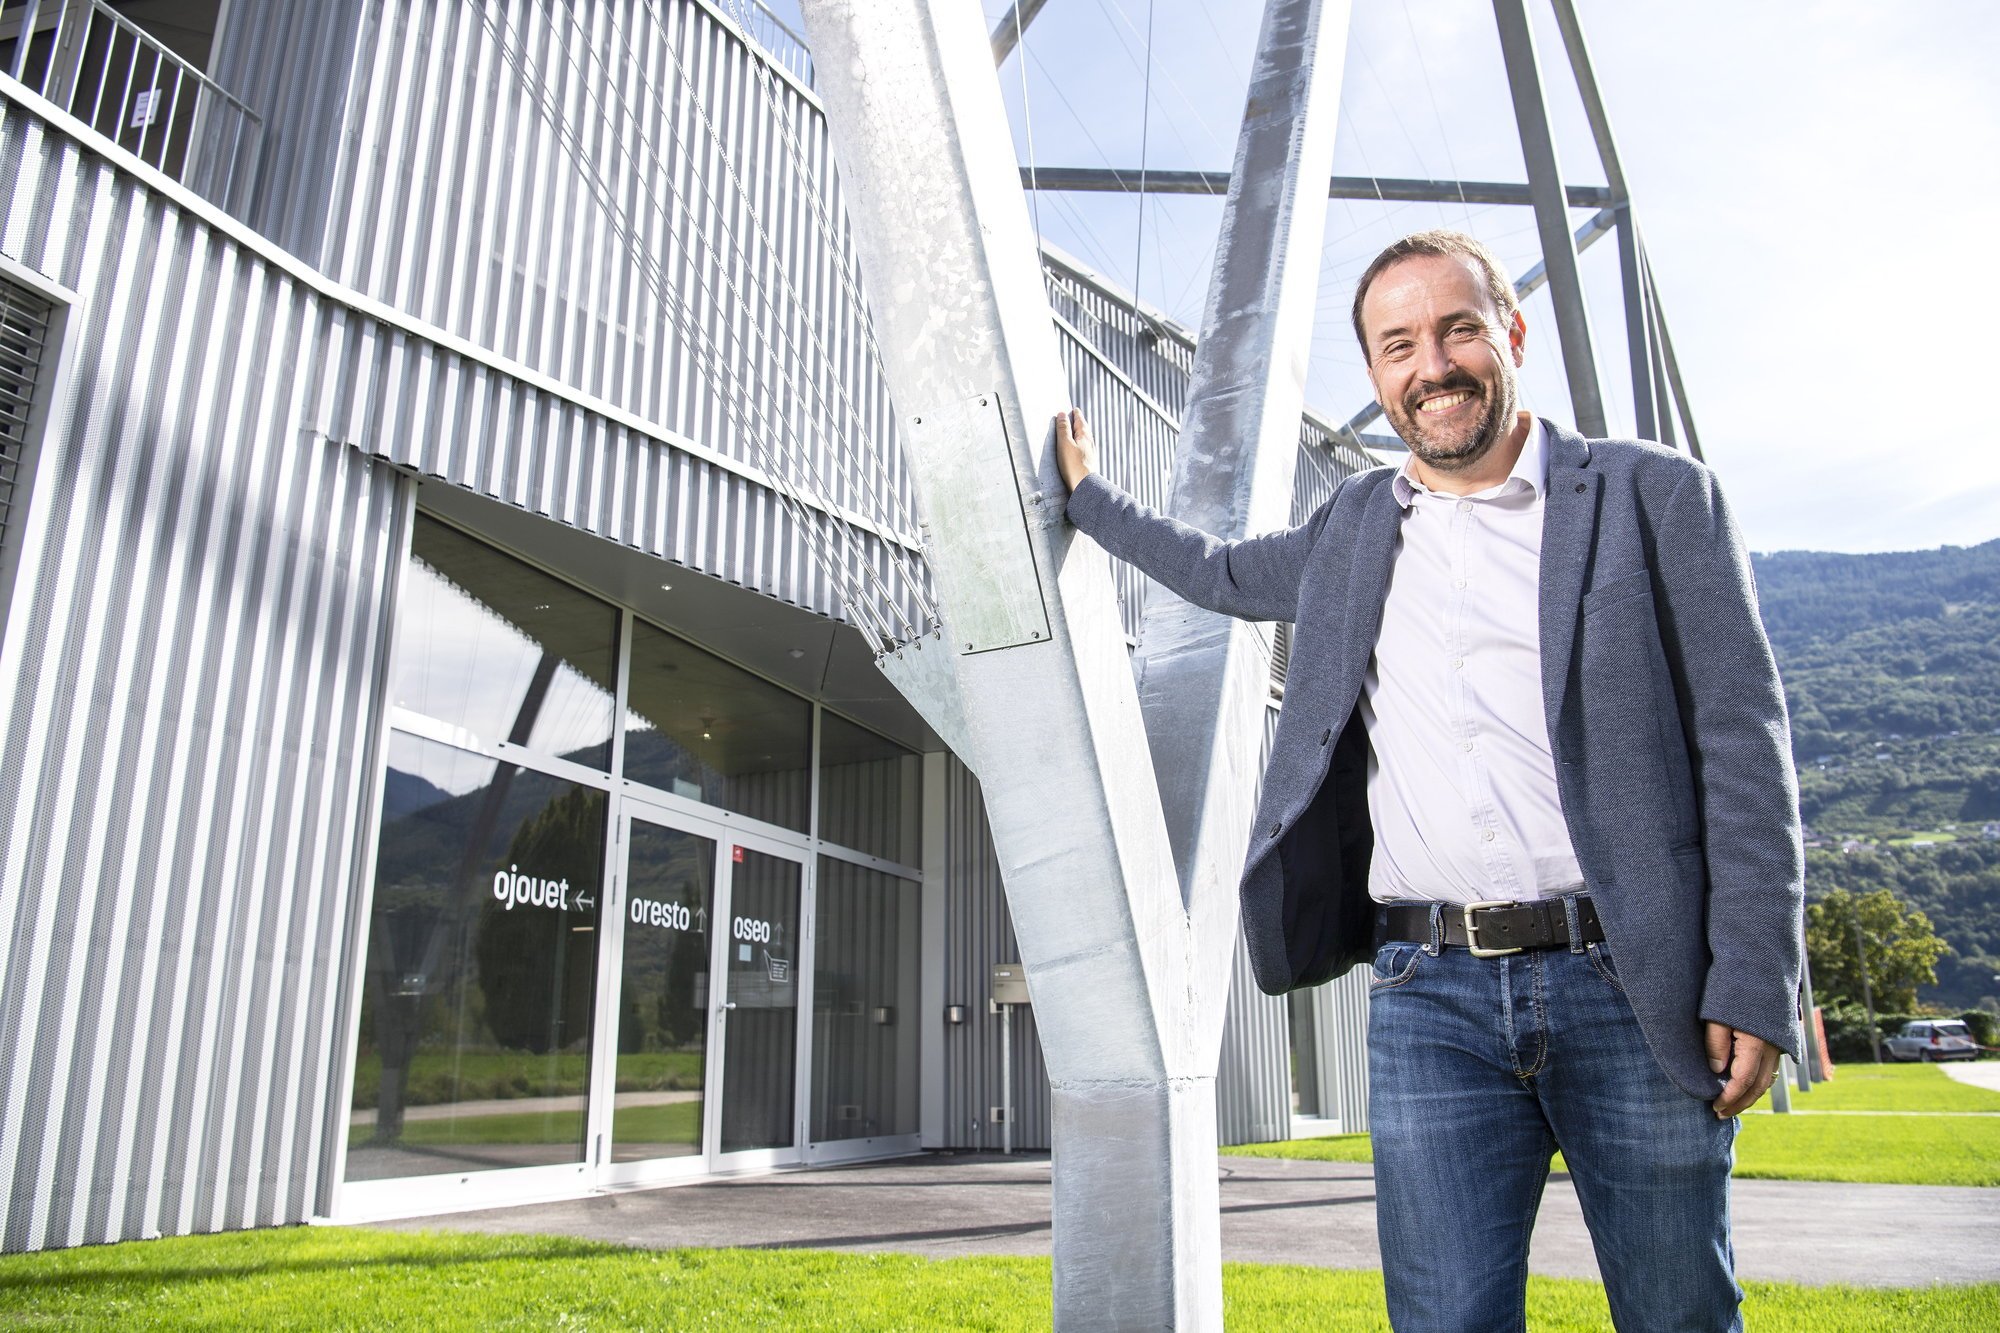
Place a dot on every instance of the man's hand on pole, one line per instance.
(1076, 451)
(1750, 1064)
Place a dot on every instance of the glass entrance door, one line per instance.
(700, 1077)
(757, 1121)
(660, 1064)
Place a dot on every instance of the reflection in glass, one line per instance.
(663, 995)
(865, 957)
(482, 968)
(494, 646)
(761, 1032)
(870, 792)
(703, 729)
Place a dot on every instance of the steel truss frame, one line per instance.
(1659, 396)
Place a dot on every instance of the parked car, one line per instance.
(1932, 1039)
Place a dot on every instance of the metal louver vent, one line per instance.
(1281, 657)
(24, 327)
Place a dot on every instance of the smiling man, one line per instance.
(1533, 762)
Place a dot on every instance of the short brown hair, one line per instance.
(1443, 244)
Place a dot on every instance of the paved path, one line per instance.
(1979, 1073)
(1319, 1213)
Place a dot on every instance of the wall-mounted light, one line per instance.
(666, 587)
(884, 1015)
(954, 1013)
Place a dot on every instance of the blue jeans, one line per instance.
(1479, 1069)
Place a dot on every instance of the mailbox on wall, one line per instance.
(1010, 984)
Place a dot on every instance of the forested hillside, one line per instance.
(1876, 647)
(1892, 671)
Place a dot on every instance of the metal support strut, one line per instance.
(1129, 980)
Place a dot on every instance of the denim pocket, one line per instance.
(1600, 963)
(1394, 965)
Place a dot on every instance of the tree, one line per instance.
(1902, 949)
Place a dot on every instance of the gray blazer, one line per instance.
(1672, 751)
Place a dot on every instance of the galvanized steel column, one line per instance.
(1033, 641)
(1129, 987)
(1204, 678)
(1545, 185)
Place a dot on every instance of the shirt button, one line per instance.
(1487, 836)
(1465, 745)
(1458, 583)
(1457, 663)
(1465, 506)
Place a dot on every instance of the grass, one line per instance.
(1332, 1148)
(1872, 1087)
(443, 1075)
(675, 1122)
(338, 1278)
(1907, 1149)
(1880, 1149)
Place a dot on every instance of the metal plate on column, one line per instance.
(984, 565)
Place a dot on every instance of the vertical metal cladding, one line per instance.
(1153, 353)
(291, 60)
(194, 665)
(979, 933)
(865, 1005)
(631, 199)
(1139, 438)
(1253, 1087)
(194, 653)
(1340, 1031)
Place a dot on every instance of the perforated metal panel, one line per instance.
(24, 329)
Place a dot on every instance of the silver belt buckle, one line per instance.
(1472, 928)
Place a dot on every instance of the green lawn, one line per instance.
(1872, 1087)
(440, 1075)
(675, 1122)
(338, 1278)
(1332, 1148)
(1876, 1149)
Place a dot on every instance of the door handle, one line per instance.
(728, 1005)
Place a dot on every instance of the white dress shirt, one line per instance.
(1461, 781)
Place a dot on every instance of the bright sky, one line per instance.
(1798, 172)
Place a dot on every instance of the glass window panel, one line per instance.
(703, 729)
(663, 1000)
(870, 792)
(761, 1027)
(496, 647)
(476, 1006)
(865, 956)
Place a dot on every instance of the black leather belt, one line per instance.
(1491, 928)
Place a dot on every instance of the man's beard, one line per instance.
(1458, 451)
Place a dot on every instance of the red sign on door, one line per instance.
(736, 855)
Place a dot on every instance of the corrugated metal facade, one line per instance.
(1340, 1035)
(979, 933)
(1253, 1080)
(626, 198)
(195, 650)
(194, 665)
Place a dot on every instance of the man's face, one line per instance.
(1442, 359)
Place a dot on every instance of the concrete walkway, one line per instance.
(1979, 1073)
(1320, 1213)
